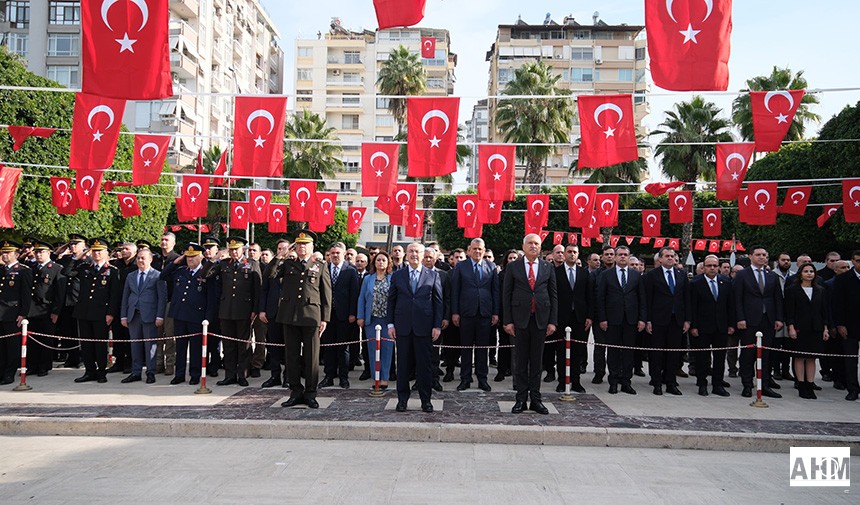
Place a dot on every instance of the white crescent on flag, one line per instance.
(771, 94)
(535, 203)
(652, 219)
(278, 214)
(402, 192)
(604, 107)
(708, 3)
(62, 186)
(709, 219)
(603, 205)
(357, 215)
(762, 192)
(800, 196)
(141, 4)
(680, 197)
(303, 190)
(146, 147)
(851, 192)
(495, 157)
(435, 113)
(89, 179)
(379, 154)
(128, 201)
(100, 109)
(261, 113)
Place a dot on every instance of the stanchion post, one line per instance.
(23, 386)
(376, 392)
(566, 396)
(758, 401)
(203, 390)
(111, 358)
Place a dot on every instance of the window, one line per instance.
(351, 99)
(145, 113)
(66, 75)
(303, 74)
(380, 229)
(626, 52)
(18, 13)
(345, 187)
(579, 75)
(384, 139)
(304, 52)
(640, 75)
(582, 34)
(350, 167)
(382, 103)
(18, 43)
(581, 53)
(351, 57)
(385, 121)
(637, 99)
(640, 53)
(625, 74)
(351, 77)
(436, 83)
(64, 44)
(603, 35)
(303, 95)
(64, 13)
(350, 122)
(505, 75)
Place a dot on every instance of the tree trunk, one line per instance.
(534, 173)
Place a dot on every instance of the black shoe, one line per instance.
(519, 407)
(673, 390)
(639, 373)
(150, 378)
(449, 376)
(613, 389)
(437, 386)
(483, 386)
(392, 376)
(703, 390)
(733, 374)
(242, 382)
(658, 390)
(312, 403)
(130, 379)
(772, 384)
(770, 393)
(839, 385)
(427, 407)
(401, 407)
(598, 379)
(725, 384)
(463, 385)
(816, 387)
(627, 388)
(42, 373)
(364, 375)
(747, 392)
(271, 382)
(194, 381)
(255, 372)
(212, 372)
(293, 401)
(177, 380)
(102, 378)
(826, 377)
(681, 373)
(852, 396)
(83, 378)
(787, 376)
(116, 368)
(720, 391)
(577, 388)
(326, 382)
(539, 407)
(344, 384)
(499, 377)
(550, 377)
(9, 380)
(559, 388)
(226, 381)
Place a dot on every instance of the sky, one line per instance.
(766, 33)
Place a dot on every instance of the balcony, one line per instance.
(184, 66)
(186, 9)
(237, 50)
(183, 29)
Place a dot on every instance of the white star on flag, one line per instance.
(761, 206)
(259, 141)
(379, 173)
(434, 142)
(492, 205)
(125, 43)
(690, 34)
(147, 163)
(610, 132)
(735, 176)
(781, 118)
(497, 176)
(193, 199)
(97, 136)
(86, 192)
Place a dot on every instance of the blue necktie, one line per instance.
(714, 289)
(478, 272)
(670, 277)
(140, 277)
(414, 281)
(334, 274)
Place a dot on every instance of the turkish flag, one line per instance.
(606, 209)
(95, 131)
(681, 207)
(700, 244)
(689, 42)
(277, 218)
(772, 114)
(586, 241)
(796, 200)
(194, 197)
(383, 203)
(851, 200)
(402, 203)
(475, 232)
(827, 213)
(21, 133)
(557, 237)
(69, 207)
(355, 215)
(607, 129)
(414, 226)
(714, 246)
(432, 136)
(489, 212)
(571, 238)
(537, 211)
(259, 205)
(726, 246)
(645, 240)
(651, 222)
(496, 172)
(88, 186)
(761, 206)
(8, 185)
(198, 168)
(712, 222)
(239, 215)
(221, 170)
(59, 190)
(733, 160)
(128, 205)
(613, 240)
(428, 47)
(675, 243)
(150, 153)
(580, 204)
(324, 209)
(660, 188)
(629, 239)
(743, 205)
(391, 13)
(125, 49)
(467, 211)
(303, 195)
(378, 168)
(258, 136)
(659, 242)
(591, 230)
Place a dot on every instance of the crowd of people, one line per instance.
(437, 313)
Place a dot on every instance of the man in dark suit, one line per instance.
(69, 255)
(620, 314)
(210, 262)
(846, 317)
(126, 263)
(269, 299)
(758, 307)
(599, 353)
(144, 298)
(344, 305)
(530, 311)
(430, 263)
(304, 312)
(712, 317)
(475, 302)
(49, 296)
(415, 306)
(574, 311)
(667, 297)
(16, 286)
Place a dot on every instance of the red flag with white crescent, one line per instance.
(681, 207)
(496, 172)
(772, 114)
(239, 215)
(277, 218)
(712, 222)
(733, 160)
(592, 229)
(675, 243)
(383, 203)
(428, 47)
(651, 222)
(378, 168)
(128, 205)
(659, 242)
(258, 136)
(21, 133)
(414, 227)
(467, 211)
(69, 207)
(355, 216)
(258, 207)
(88, 186)
(9, 177)
(392, 13)
(761, 206)
(537, 211)
(402, 203)
(580, 204)
(303, 195)
(150, 153)
(606, 209)
(475, 232)
(660, 188)
(613, 240)
(194, 196)
(125, 51)
(827, 212)
(851, 200)
(571, 238)
(743, 205)
(489, 212)
(324, 209)
(95, 131)
(699, 244)
(60, 187)
(221, 170)
(608, 130)
(557, 237)
(714, 246)
(432, 136)
(795, 201)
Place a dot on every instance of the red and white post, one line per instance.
(377, 359)
(111, 359)
(566, 396)
(759, 385)
(203, 390)
(23, 386)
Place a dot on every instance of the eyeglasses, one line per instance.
(711, 266)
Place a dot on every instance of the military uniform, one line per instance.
(271, 295)
(214, 361)
(67, 325)
(16, 284)
(166, 349)
(49, 297)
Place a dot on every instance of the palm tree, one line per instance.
(779, 79)
(310, 160)
(688, 151)
(535, 120)
(401, 74)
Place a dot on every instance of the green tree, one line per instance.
(400, 75)
(535, 120)
(779, 79)
(310, 160)
(623, 177)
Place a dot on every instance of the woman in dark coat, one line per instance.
(806, 314)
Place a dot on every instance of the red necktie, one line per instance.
(532, 282)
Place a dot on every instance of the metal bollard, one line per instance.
(203, 390)
(566, 396)
(376, 393)
(23, 386)
(758, 402)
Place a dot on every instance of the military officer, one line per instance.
(211, 245)
(304, 311)
(269, 300)
(16, 285)
(72, 252)
(193, 301)
(241, 283)
(49, 296)
(98, 304)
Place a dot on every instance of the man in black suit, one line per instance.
(269, 299)
(846, 317)
(621, 313)
(530, 311)
(430, 263)
(598, 354)
(574, 311)
(344, 305)
(667, 297)
(711, 322)
(758, 307)
(475, 302)
(49, 296)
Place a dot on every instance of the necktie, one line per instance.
(304, 263)
(670, 278)
(414, 281)
(571, 277)
(140, 277)
(532, 282)
(334, 274)
(760, 279)
(623, 277)
(714, 289)
(477, 272)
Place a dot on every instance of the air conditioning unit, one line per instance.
(598, 61)
(558, 56)
(335, 72)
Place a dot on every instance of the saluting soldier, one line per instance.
(241, 283)
(211, 245)
(67, 255)
(98, 304)
(304, 311)
(193, 301)
(16, 284)
(49, 296)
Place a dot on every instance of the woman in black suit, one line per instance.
(805, 315)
